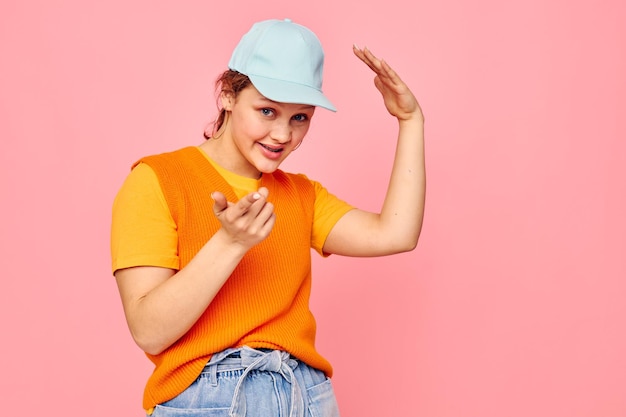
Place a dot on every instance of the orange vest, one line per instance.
(265, 302)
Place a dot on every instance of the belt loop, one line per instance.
(213, 374)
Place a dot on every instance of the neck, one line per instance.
(225, 154)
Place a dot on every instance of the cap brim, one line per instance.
(286, 92)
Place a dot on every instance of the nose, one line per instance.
(281, 132)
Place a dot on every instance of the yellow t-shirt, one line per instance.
(143, 232)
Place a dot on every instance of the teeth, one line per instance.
(271, 149)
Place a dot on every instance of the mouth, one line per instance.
(272, 149)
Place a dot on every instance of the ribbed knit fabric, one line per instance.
(265, 302)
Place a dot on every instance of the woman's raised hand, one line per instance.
(399, 100)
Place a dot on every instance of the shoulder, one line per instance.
(141, 188)
(141, 179)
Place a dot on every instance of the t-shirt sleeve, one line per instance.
(143, 232)
(328, 210)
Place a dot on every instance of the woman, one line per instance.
(211, 243)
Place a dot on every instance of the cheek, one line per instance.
(248, 127)
(300, 132)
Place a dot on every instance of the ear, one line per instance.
(227, 100)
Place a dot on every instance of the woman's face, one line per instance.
(263, 132)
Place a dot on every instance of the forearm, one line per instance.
(396, 228)
(168, 310)
(403, 208)
(161, 306)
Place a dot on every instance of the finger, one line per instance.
(360, 53)
(265, 212)
(258, 221)
(247, 202)
(256, 202)
(392, 75)
(250, 204)
(383, 70)
(386, 73)
(376, 64)
(220, 203)
(264, 191)
(266, 218)
(269, 224)
(380, 66)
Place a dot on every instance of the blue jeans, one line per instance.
(254, 383)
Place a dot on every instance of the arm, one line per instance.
(161, 305)
(398, 225)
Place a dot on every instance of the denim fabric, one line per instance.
(254, 383)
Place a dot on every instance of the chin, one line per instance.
(268, 168)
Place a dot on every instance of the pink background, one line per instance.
(514, 303)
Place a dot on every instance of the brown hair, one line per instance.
(231, 83)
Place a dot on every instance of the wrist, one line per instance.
(414, 116)
(227, 245)
(415, 120)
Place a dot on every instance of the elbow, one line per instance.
(407, 243)
(404, 237)
(400, 243)
(150, 345)
(408, 246)
(152, 350)
(413, 239)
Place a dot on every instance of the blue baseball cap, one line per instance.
(284, 61)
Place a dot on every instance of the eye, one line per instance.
(301, 117)
(267, 112)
